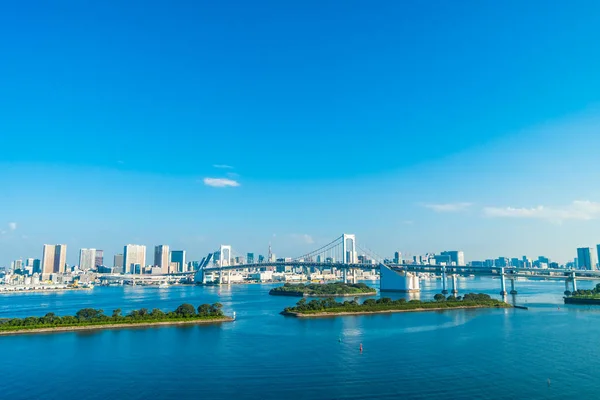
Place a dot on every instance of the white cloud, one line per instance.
(305, 238)
(220, 182)
(449, 207)
(12, 226)
(578, 210)
(222, 166)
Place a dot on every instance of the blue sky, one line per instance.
(420, 127)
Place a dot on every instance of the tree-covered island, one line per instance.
(583, 296)
(330, 307)
(91, 318)
(335, 289)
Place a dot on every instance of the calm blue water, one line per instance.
(481, 354)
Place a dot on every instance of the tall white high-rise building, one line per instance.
(134, 258)
(54, 259)
(161, 257)
(87, 259)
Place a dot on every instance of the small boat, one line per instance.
(163, 285)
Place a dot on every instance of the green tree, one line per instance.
(116, 314)
(88, 314)
(216, 310)
(185, 310)
(204, 310)
(439, 297)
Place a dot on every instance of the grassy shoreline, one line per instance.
(90, 319)
(322, 314)
(124, 325)
(330, 307)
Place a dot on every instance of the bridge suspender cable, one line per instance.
(323, 249)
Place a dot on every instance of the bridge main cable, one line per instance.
(322, 249)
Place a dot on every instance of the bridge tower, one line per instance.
(349, 252)
(224, 255)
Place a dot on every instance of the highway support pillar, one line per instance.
(502, 282)
(454, 288)
(512, 286)
(444, 290)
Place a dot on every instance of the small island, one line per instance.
(330, 307)
(90, 318)
(336, 289)
(584, 296)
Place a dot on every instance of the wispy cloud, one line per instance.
(220, 182)
(303, 237)
(578, 210)
(448, 207)
(12, 226)
(222, 166)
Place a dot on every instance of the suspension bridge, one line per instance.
(343, 257)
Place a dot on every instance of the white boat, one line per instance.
(163, 285)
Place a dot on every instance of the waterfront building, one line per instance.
(501, 262)
(161, 257)
(37, 266)
(16, 264)
(54, 260)
(118, 263)
(134, 258)
(99, 260)
(87, 259)
(177, 261)
(456, 257)
(193, 266)
(586, 257)
(598, 253)
(543, 260)
(29, 262)
(442, 259)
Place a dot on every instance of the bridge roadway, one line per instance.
(461, 270)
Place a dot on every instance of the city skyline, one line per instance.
(173, 261)
(412, 138)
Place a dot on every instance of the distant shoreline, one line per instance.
(59, 329)
(43, 290)
(347, 313)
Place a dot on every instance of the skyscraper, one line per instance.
(586, 258)
(161, 257)
(54, 259)
(99, 258)
(178, 260)
(134, 258)
(87, 259)
(37, 266)
(250, 258)
(118, 263)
